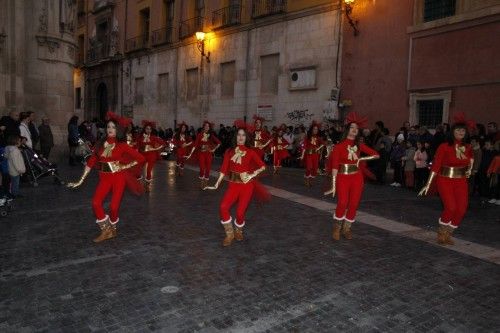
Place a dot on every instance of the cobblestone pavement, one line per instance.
(167, 271)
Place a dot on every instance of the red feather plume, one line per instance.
(146, 123)
(460, 119)
(122, 121)
(353, 117)
(241, 124)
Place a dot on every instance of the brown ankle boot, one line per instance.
(113, 228)
(337, 225)
(106, 231)
(228, 240)
(307, 182)
(441, 235)
(203, 183)
(449, 233)
(238, 234)
(346, 230)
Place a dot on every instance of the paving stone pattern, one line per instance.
(168, 272)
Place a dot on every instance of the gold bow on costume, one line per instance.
(313, 141)
(460, 152)
(182, 137)
(258, 137)
(108, 148)
(238, 155)
(352, 153)
(146, 138)
(205, 137)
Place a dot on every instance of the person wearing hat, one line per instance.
(451, 167)
(149, 146)
(261, 138)
(182, 140)
(206, 144)
(241, 165)
(279, 148)
(347, 177)
(311, 153)
(114, 159)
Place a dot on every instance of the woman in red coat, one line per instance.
(279, 148)
(347, 178)
(182, 141)
(241, 165)
(311, 153)
(114, 159)
(206, 144)
(149, 146)
(261, 138)
(451, 167)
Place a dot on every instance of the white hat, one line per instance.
(400, 137)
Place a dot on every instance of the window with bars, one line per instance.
(163, 88)
(228, 74)
(438, 9)
(191, 84)
(430, 112)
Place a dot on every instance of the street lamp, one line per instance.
(348, 12)
(200, 37)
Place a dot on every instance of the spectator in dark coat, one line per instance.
(35, 136)
(9, 125)
(46, 138)
(73, 136)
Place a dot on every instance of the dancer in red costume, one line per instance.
(261, 138)
(451, 167)
(311, 153)
(150, 146)
(114, 159)
(131, 136)
(241, 164)
(206, 143)
(347, 178)
(182, 141)
(279, 148)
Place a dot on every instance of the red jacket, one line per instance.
(206, 141)
(241, 159)
(121, 152)
(457, 155)
(346, 152)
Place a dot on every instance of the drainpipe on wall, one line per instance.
(176, 82)
(247, 74)
(122, 62)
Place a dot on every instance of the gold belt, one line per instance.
(148, 148)
(109, 167)
(453, 172)
(311, 151)
(256, 144)
(348, 169)
(204, 148)
(235, 177)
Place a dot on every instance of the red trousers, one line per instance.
(454, 193)
(151, 158)
(278, 156)
(205, 160)
(349, 189)
(312, 164)
(109, 182)
(181, 159)
(236, 192)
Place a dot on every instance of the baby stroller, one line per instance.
(38, 167)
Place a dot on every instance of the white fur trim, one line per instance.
(338, 218)
(452, 226)
(201, 178)
(350, 221)
(148, 180)
(113, 223)
(444, 223)
(226, 222)
(239, 225)
(103, 220)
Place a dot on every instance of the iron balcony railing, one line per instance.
(162, 36)
(137, 43)
(189, 27)
(226, 16)
(262, 8)
(98, 51)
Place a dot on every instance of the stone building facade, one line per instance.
(37, 52)
(423, 61)
(273, 57)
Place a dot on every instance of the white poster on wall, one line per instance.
(266, 112)
(330, 110)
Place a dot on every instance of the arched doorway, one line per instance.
(102, 101)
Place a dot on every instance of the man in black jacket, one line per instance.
(46, 138)
(9, 125)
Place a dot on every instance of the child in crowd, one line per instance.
(15, 162)
(397, 154)
(487, 156)
(381, 166)
(421, 166)
(477, 153)
(409, 165)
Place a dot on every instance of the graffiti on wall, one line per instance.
(300, 116)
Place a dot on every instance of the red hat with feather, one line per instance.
(243, 125)
(122, 121)
(146, 123)
(459, 119)
(354, 118)
(209, 124)
(259, 118)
